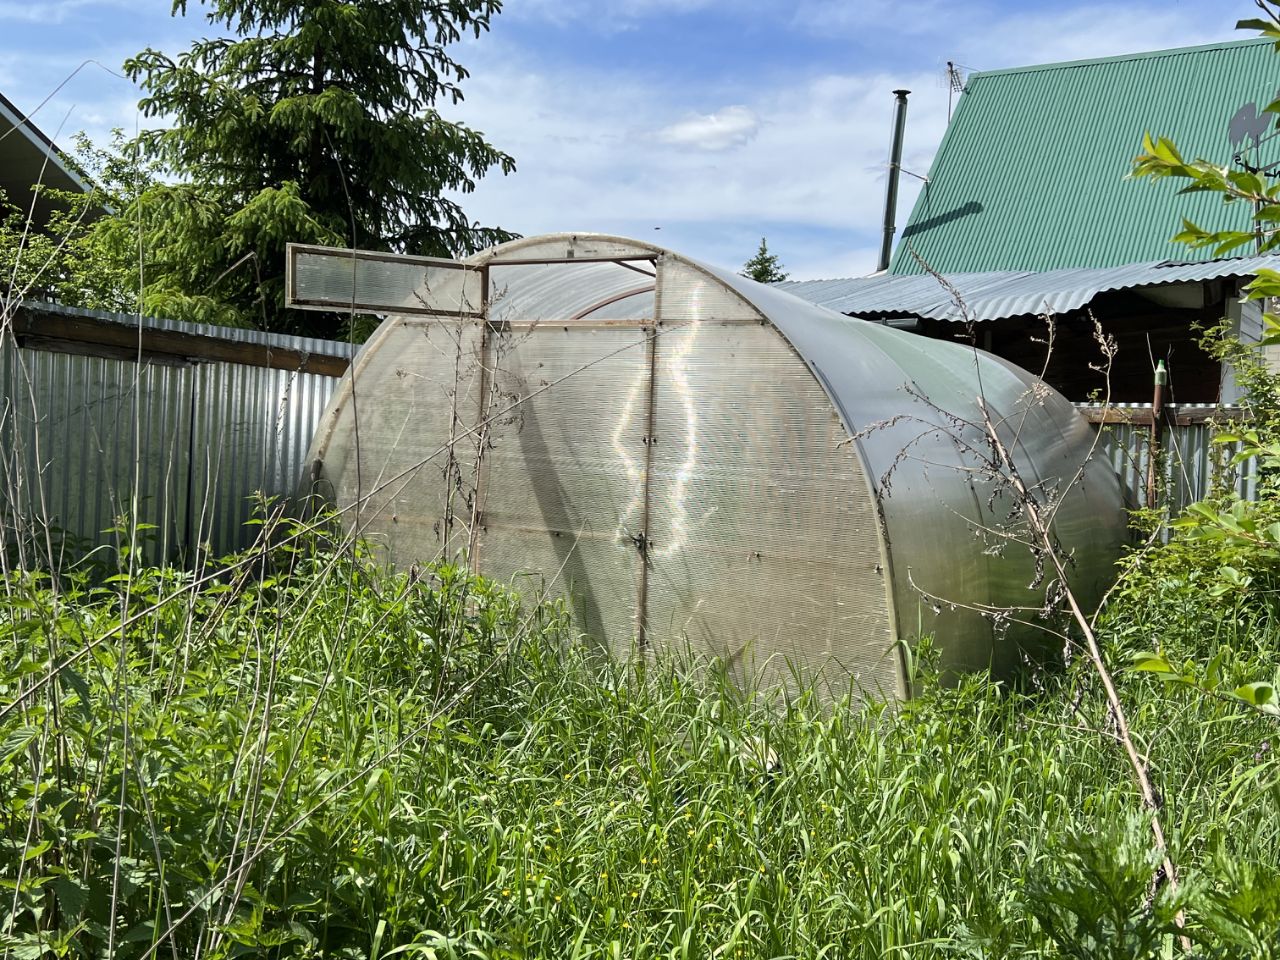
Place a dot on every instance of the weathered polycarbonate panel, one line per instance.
(322, 278)
(566, 246)
(907, 398)
(563, 481)
(764, 539)
(688, 293)
(600, 290)
(399, 448)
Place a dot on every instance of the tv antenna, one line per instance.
(955, 83)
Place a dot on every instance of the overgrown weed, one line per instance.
(330, 759)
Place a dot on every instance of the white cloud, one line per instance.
(731, 127)
(49, 11)
(806, 158)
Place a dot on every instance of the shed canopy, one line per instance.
(996, 295)
(29, 158)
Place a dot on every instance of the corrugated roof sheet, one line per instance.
(1031, 174)
(993, 295)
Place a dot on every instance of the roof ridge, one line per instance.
(1123, 57)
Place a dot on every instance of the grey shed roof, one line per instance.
(28, 157)
(1000, 294)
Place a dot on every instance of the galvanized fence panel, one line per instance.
(184, 447)
(1190, 465)
(88, 441)
(251, 428)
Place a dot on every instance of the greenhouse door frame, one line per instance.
(580, 320)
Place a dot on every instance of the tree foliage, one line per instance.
(314, 121)
(87, 253)
(764, 267)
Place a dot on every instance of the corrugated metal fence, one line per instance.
(1190, 466)
(183, 442)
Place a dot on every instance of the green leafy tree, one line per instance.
(86, 254)
(764, 267)
(315, 121)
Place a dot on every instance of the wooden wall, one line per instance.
(1143, 332)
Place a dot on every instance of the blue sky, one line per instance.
(700, 124)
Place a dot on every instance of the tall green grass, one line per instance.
(316, 757)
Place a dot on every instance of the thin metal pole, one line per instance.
(895, 168)
(1157, 422)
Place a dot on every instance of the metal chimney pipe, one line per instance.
(895, 168)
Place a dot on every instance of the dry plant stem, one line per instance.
(1039, 526)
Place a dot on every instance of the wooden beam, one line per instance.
(1182, 416)
(57, 331)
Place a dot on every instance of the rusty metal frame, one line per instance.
(601, 304)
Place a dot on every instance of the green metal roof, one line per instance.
(1031, 174)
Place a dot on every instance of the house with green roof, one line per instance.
(1032, 173)
(1029, 209)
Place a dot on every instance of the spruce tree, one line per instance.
(764, 267)
(315, 121)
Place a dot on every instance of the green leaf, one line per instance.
(17, 741)
(29, 946)
(1261, 695)
(1264, 27)
(32, 852)
(1213, 672)
(71, 894)
(1151, 662)
(375, 780)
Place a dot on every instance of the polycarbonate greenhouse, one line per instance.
(695, 460)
